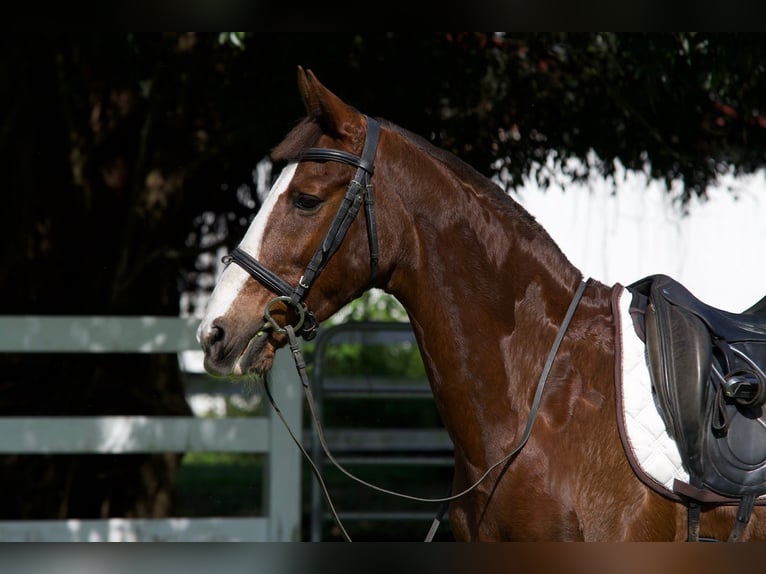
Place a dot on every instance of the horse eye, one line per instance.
(307, 202)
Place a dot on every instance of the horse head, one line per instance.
(277, 275)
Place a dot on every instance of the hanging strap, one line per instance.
(744, 511)
(693, 511)
(300, 365)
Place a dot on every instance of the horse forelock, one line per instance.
(307, 133)
(304, 134)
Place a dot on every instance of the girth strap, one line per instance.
(743, 517)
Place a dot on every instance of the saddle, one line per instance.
(707, 371)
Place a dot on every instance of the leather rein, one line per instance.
(360, 189)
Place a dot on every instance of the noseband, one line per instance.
(360, 188)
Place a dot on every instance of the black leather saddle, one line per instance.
(707, 369)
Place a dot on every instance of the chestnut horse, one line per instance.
(487, 291)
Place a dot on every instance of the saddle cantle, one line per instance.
(707, 370)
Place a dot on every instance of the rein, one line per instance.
(300, 365)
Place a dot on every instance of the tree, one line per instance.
(125, 153)
(683, 106)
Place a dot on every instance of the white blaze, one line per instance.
(233, 278)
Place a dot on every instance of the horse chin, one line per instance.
(257, 358)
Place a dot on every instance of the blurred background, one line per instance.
(133, 161)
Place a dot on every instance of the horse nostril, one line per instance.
(216, 334)
(212, 337)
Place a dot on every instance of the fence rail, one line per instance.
(131, 434)
(371, 446)
(140, 434)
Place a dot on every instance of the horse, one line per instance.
(494, 303)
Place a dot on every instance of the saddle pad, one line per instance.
(652, 453)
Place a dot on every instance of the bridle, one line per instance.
(359, 189)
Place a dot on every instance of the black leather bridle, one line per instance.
(359, 189)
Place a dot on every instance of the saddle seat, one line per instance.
(708, 382)
(722, 326)
(750, 325)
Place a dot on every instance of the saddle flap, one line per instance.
(679, 354)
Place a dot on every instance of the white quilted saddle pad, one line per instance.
(652, 448)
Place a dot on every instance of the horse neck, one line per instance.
(469, 248)
(484, 286)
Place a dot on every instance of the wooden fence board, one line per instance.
(105, 334)
(143, 434)
(137, 530)
(136, 434)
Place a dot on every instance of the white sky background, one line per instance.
(717, 251)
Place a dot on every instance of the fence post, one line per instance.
(283, 466)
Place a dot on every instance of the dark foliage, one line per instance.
(124, 154)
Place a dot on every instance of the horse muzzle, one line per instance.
(229, 354)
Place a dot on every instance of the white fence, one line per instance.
(139, 434)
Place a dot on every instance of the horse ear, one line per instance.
(332, 113)
(309, 99)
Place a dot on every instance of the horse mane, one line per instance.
(464, 171)
(470, 176)
(307, 131)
